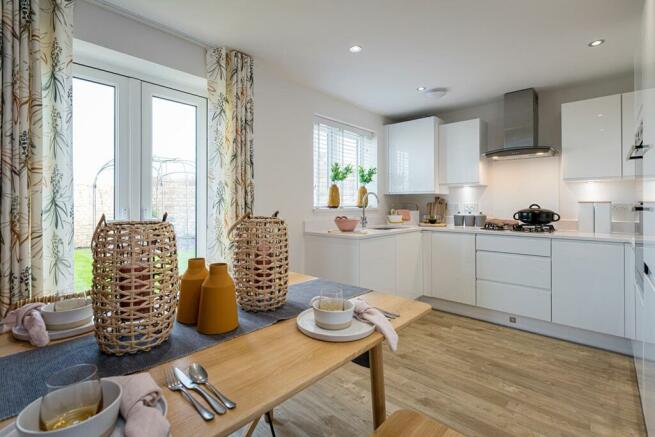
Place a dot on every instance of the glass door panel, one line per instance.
(93, 167)
(173, 137)
(174, 171)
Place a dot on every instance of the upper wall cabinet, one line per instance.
(413, 157)
(591, 139)
(460, 146)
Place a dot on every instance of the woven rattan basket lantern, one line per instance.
(135, 284)
(260, 262)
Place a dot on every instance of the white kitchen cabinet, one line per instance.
(390, 263)
(514, 244)
(645, 113)
(648, 391)
(630, 297)
(453, 266)
(377, 264)
(409, 267)
(591, 139)
(413, 158)
(628, 129)
(460, 147)
(525, 270)
(588, 285)
(514, 299)
(426, 260)
(336, 259)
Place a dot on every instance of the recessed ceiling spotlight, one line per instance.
(420, 89)
(436, 93)
(355, 49)
(596, 43)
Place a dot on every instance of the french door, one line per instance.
(139, 151)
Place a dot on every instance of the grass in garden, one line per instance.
(84, 266)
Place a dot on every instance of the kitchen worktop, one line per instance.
(559, 234)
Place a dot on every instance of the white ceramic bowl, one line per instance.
(102, 424)
(395, 218)
(70, 314)
(333, 320)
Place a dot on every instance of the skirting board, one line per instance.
(575, 335)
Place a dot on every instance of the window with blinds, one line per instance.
(344, 144)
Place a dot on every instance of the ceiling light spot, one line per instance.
(596, 43)
(436, 93)
(420, 89)
(355, 49)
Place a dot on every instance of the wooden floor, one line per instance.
(479, 379)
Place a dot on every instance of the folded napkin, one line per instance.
(365, 312)
(30, 318)
(138, 406)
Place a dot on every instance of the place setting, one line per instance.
(79, 403)
(335, 319)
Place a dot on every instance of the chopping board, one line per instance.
(435, 225)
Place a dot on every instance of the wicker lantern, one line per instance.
(135, 284)
(260, 262)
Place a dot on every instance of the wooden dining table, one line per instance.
(264, 368)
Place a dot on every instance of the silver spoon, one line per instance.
(198, 375)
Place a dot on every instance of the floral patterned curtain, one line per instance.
(36, 205)
(230, 189)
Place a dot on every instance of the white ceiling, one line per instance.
(478, 49)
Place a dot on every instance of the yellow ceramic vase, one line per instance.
(218, 302)
(333, 197)
(361, 194)
(190, 285)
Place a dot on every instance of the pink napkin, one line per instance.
(138, 406)
(364, 312)
(29, 317)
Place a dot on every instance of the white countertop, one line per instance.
(375, 233)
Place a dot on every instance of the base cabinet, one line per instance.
(391, 264)
(409, 265)
(588, 285)
(377, 264)
(453, 267)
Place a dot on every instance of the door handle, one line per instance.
(638, 151)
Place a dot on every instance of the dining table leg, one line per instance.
(377, 385)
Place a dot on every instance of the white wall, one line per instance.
(108, 29)
(515, 184)
(283, 149)
(283, 116)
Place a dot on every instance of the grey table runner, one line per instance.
(23, 375)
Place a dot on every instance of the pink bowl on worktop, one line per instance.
(346, 224)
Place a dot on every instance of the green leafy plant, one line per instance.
(366, 176)
(338, 173)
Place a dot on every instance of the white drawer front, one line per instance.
(514, 244)
(530, 271)
(514, 299)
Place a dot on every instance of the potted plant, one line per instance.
(337, 174)
(365, 178)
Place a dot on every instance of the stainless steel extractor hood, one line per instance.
(521, 129)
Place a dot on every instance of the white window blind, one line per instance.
(344, 144)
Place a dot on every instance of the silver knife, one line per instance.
(186, 381)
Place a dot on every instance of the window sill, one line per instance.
(350, 209)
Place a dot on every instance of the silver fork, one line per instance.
(175, 385)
